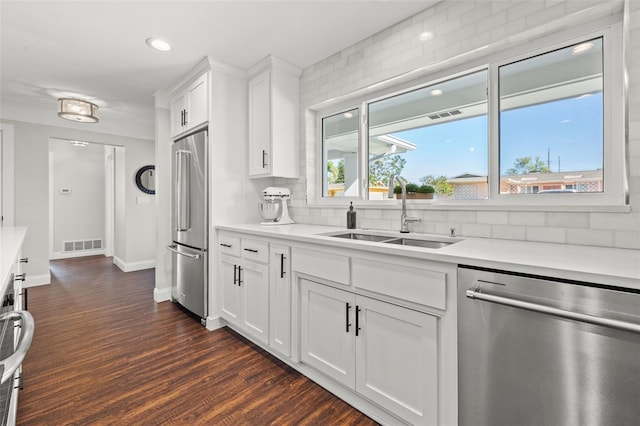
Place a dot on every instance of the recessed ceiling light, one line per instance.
(436, 92)
(347, 115)
(79, 143)
(425, 36)
(158, 44)
(582, 47)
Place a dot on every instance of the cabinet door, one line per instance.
(397, 360)
(260, 124)
(198, 102)
(254, 284)
(177, 108)
(229, 289)
(327, 338)
(280, 299)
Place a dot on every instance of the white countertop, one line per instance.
(601, 265)
(11, 239)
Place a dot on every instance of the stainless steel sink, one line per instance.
(387, 239)
(362, 237)
(419, 243)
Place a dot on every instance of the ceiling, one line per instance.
(97, 50)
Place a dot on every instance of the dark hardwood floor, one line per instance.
(105, 353)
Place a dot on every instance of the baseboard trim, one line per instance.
(214, 323)
(37, 280)
(161, 294)
(70, 255)
(133, 266)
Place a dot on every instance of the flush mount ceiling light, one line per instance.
(77, 110)
(158, 44)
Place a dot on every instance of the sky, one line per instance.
(569, 130)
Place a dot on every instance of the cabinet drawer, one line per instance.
(229, 244)
(254, 250)
(417, 285)
(332, 267)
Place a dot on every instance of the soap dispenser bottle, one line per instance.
(351, 217)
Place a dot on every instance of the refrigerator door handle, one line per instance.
(183, 196)
(174, 249)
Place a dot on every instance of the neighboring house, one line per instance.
(531, 183)
(472, 187)
(468, 187)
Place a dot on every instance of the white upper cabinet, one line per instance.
(190, 106)
(274, 91)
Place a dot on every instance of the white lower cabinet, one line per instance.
(327, 339)
(229, 289)
(280, 299)
(386, 353)
(245, 295)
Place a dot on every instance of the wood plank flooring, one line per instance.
(105, 353)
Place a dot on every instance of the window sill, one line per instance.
(477, 205)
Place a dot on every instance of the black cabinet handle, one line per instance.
(239, 275)
(235, 278)
(251, 250)
(24, 295)
(24, 260)
(20, 380)
(357, 320)
(281, 265)
(264, 158)
(225, 245)
(181, 118)
(185, 117)
(20, 277)
(348, 324)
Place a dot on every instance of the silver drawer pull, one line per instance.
(561, 313)
(10, 364)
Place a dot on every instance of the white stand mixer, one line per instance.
(274, 208)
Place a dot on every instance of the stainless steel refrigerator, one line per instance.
(189, 223)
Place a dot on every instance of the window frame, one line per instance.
(615, 195)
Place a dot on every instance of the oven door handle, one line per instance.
(10, 364)
(561, 313)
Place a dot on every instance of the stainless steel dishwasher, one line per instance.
(542, 351)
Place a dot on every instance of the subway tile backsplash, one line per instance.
(458, 27)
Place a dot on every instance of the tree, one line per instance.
(380, 170)
(439, 183)
(335, 172)
(524, 165)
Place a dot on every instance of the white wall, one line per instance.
(79, 214)
(32, 194)
(459, 28)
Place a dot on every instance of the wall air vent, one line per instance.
(445, 114)
(82, 245)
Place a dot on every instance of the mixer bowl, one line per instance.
(270, 210)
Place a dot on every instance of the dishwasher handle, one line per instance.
(561, 313)
(9, 365)
(174, 249)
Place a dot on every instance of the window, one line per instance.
(340, 139)
(540, 128)
(551, 121)
(436, 135)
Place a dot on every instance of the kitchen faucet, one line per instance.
(404, 220)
